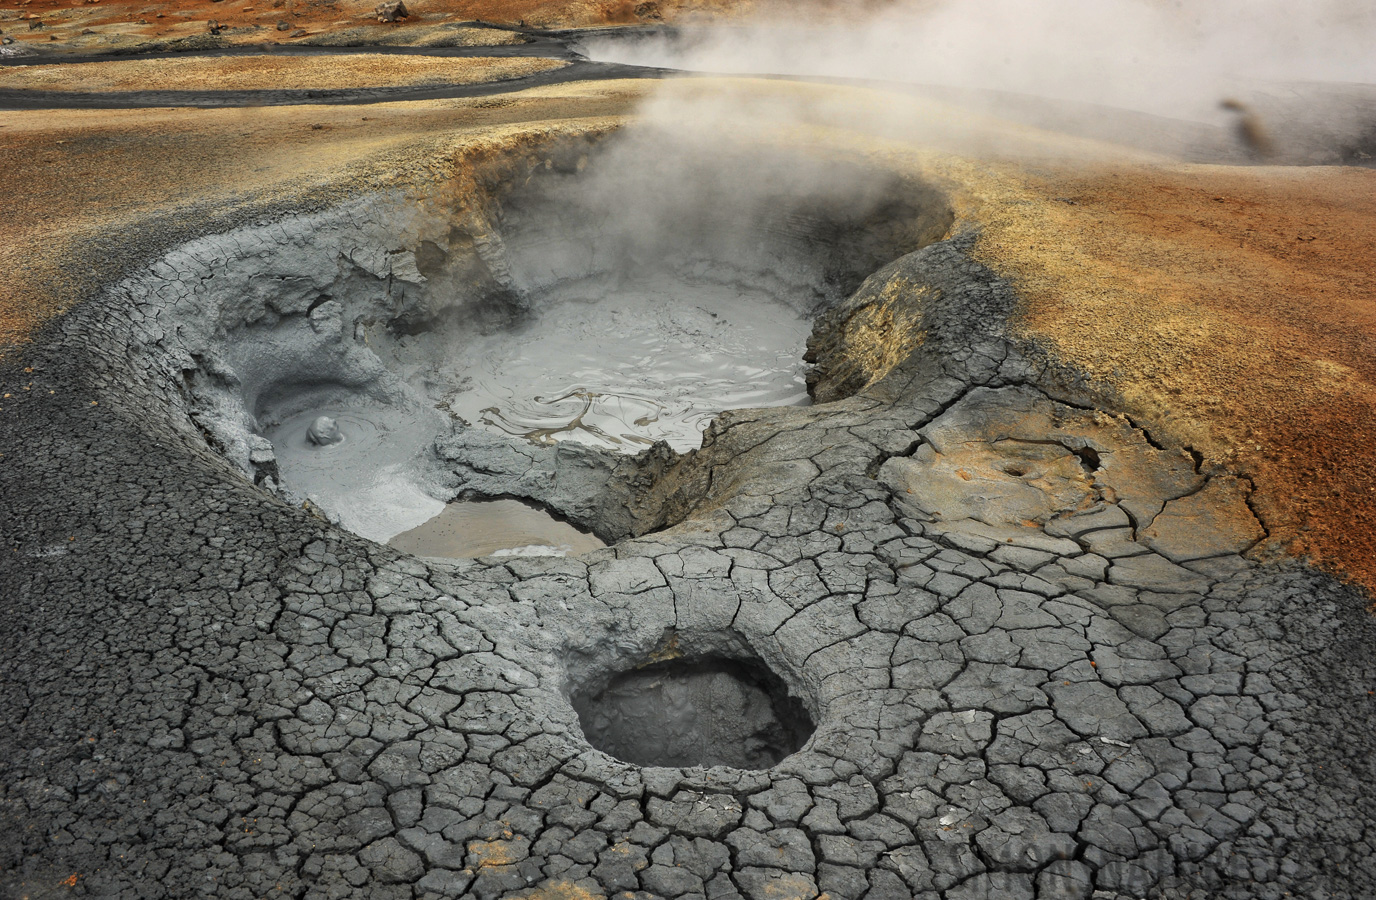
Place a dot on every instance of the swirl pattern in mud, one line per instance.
(629, 367)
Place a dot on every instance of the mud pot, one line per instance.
(712, 711)
(388, 361)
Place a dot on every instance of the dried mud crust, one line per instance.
(1064, 680)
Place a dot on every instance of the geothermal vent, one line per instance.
(383, 360)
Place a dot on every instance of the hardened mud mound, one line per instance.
(1038, 660)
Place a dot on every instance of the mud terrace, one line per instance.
(1037, 657)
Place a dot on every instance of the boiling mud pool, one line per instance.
(372, 477)
(615, 368)
(632, 366)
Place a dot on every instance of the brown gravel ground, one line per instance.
(284, 73)
(1233, 309)
(76, 183)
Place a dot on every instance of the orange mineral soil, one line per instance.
(1233, 309)
(62, 24)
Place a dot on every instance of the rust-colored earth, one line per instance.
(282, 73)
(63, 24)
(1234, 309)
(78, 183)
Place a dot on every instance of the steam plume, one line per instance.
(1300, 67)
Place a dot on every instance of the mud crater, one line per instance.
(707, 712)
(573, 305)
(696, 700)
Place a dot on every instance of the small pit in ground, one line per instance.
(707, 712)
(613, 294)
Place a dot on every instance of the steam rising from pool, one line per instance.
(583, 301)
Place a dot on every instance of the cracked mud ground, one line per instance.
(1038, 656)
(212, 694)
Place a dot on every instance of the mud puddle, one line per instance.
(577, 304)
(494, 528)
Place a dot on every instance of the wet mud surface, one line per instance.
(368, 476)
(623, 367)
(374, 362)
(470, 529)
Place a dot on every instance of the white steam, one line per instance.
(1173, 58)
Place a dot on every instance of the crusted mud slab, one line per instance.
(1029, 629)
